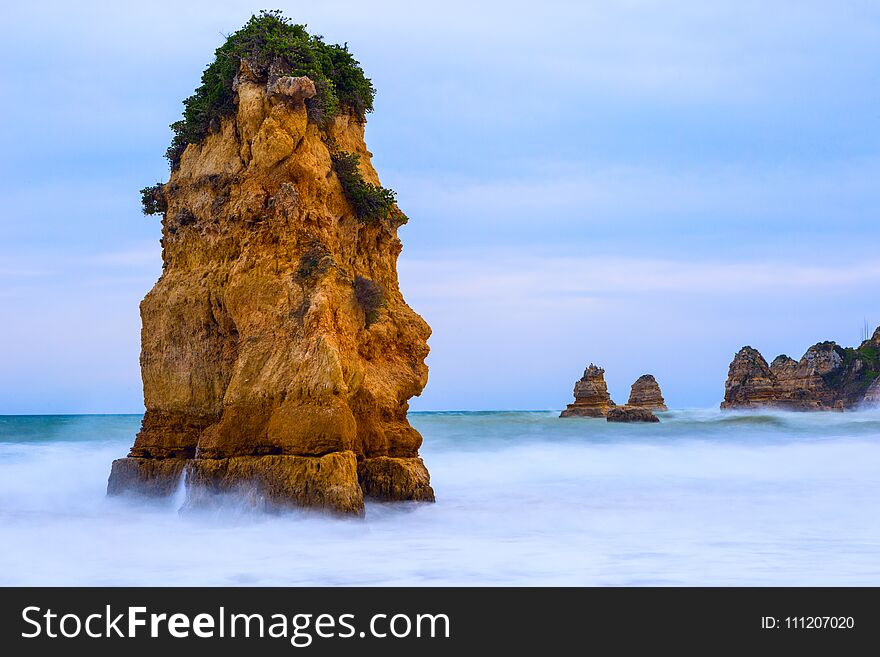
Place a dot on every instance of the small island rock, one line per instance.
(631, 414)
(591, 398)
(645, 393)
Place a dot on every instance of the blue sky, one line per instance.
(644, 185)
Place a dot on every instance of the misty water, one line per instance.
(522, 498)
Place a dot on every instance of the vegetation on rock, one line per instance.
(152, 199)
(273, 46)
(866, 373)
(370, 297)
(370, 202)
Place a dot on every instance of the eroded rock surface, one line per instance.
(645, 393)
(872, 396)
(591, 398)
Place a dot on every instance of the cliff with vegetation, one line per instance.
(827, 377)
(278, 353)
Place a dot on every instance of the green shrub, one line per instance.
(370, 202)
(269, 40)
(370, 297)
(869, 351)
(314, 261)
(153, 200)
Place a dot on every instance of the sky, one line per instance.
(648, 186)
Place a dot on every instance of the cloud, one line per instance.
(649, 184)
(649, 190)
(812, 212)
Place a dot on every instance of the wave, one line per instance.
(523, 499)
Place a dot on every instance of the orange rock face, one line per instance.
(645, 394)
(591, 398)
(750, 383)
(827, 377)
(262, 364)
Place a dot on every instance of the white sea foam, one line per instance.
(523, 498)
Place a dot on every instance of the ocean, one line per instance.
(523, 498)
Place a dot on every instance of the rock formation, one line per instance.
(631, 414)
(278, 353)
(645, 393)
(591, 398)
(827, 377)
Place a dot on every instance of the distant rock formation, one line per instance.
(631, 414)
(591, 398)
(872, 397)
(827, 377)
(645, 393)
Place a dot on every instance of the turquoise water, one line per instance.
(523, 498)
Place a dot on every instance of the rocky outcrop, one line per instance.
(645, 393)
(827, 377)
(591, 398)
(749, 381)
(631, 414)
(872, 396)
(264, 363)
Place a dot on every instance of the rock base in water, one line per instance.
(148, 477)
(335, 482)
(388, 479)
(573, 410)
(630, 414)
(326, 483)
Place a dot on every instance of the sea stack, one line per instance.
(827, 377)
(645, 394)
(591, 398)
(278, 353)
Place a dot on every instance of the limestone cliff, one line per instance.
(278, 352)
(591, 398)
(827, 377)
(645, 394)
